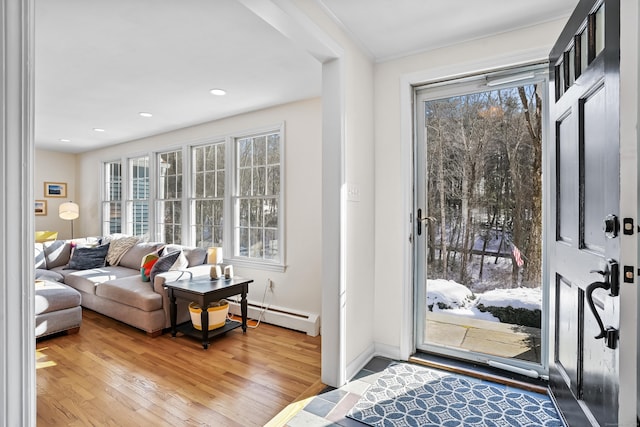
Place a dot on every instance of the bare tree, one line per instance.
(532, 106)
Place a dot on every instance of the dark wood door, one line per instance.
(585, 165)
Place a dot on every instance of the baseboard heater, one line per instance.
(280, 316)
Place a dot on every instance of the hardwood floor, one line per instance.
(110, 374)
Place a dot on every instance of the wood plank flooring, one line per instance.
(110, 374)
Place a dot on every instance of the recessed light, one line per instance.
(145, 114)
(64, 140)
(218, 92)
(98, 130)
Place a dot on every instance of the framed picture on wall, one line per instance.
(41, 207)
(55, 189)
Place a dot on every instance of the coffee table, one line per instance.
(203, 291)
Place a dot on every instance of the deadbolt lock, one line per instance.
(611, 226)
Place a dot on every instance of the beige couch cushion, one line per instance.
(118, 247)
(133, 257)
(195, 256)
(53, 296)
(39, 256)
(86, 280)
(131, 291)
(57, 253)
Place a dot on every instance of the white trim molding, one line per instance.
(17, 319)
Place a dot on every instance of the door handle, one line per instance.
(592, 287)
(420, 219)
(611, 284)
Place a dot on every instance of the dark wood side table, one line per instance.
(203, 291)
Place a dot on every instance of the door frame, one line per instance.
(468, 85)
(408, 82)
(630, 204)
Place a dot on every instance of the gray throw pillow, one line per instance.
(163, 264)
(89, 257)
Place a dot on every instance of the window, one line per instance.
(169, 197)
(257, 228)
(207, 202)
(112, 199)
(225, 193)
(138, 203)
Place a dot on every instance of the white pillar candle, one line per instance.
(216, 272)
(228, 272)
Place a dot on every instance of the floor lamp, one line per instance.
(69, 211)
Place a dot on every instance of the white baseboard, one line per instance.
(356, 365)
(388, 351)
(281, 316)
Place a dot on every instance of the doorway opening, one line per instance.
(479, 203)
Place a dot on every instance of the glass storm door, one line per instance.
(478, 219)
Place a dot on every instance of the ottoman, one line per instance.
(57, 308)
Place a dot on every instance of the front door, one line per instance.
(585, 238)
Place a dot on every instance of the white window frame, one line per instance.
(129, 200)
(158, 226)
(107, 179)
(191, 198)
(233, 241)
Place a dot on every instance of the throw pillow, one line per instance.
(148, 261)
(84, 258)
(118, 247)
(171, 261)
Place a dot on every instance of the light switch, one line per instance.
(353, 193)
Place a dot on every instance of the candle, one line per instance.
(228, 272)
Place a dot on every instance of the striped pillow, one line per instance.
(171, 261)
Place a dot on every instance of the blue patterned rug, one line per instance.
(413, 395)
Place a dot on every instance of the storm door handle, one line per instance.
(420, 219)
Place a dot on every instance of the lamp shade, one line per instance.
(69, 210)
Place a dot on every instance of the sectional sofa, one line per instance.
(119, 290)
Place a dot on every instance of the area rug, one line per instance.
(412, 395)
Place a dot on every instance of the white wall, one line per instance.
(360, 213)
(353, 298)
(299, 287)
(393, 200)
(52, 166)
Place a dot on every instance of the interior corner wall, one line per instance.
(299, 287)
(393, 323)
(355, 296)
(360, 213)
(53, 166)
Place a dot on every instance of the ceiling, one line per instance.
(99, 63)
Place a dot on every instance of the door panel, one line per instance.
(584, 363)
(569, 332)
(567, 189)
(593, 152)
